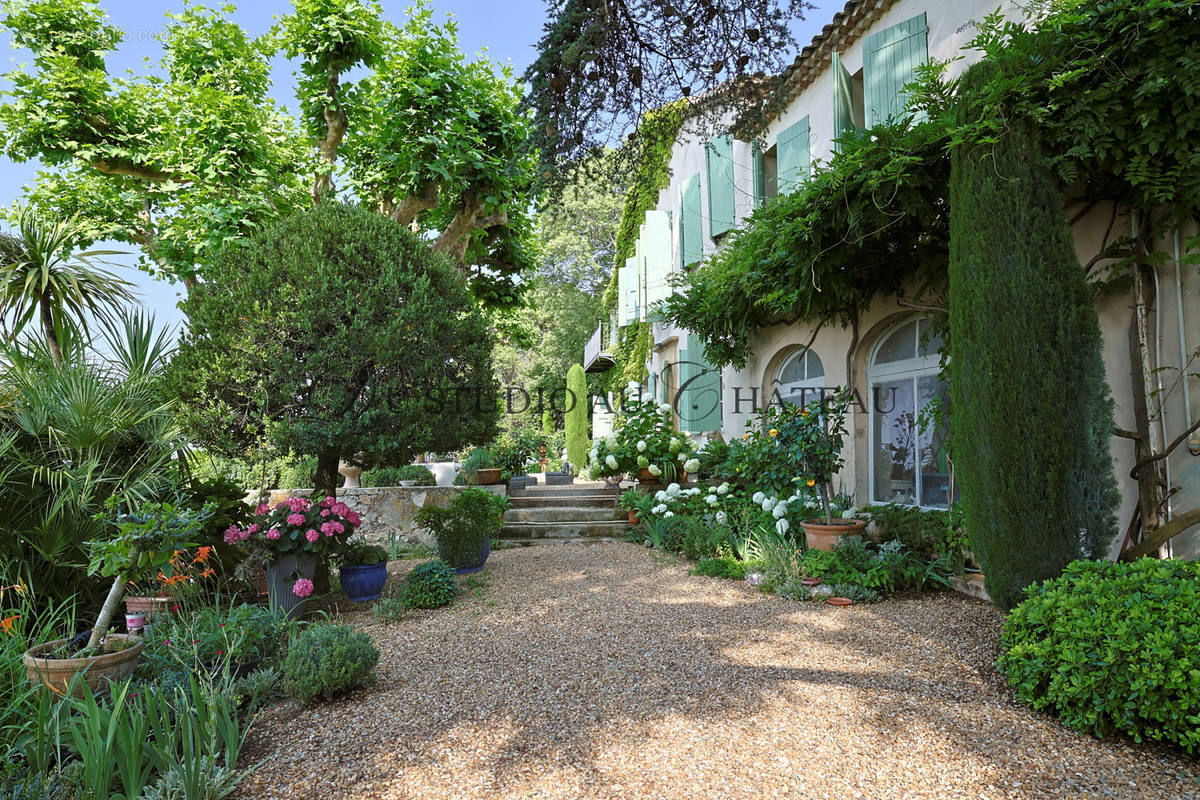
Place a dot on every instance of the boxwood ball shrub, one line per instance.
(1112, 648)
(326, 660)
(431, 584)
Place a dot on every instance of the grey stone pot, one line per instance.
(282, 574)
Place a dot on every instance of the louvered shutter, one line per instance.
(719, 162)
(890, 58)
(656, 258)
(760, 175)
(626, 278)
(700, 404)
(691, 234)
(792, 157)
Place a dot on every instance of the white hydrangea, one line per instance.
(712, 500)
(655, 470)
(675, 445)
(851, 512)
(641, 445)
(768, 503)
(643, 462)
(683, 456)
(594, 455)
(722, 517)
(692, 464)
(665, 407)
(611, 461)
(782, 526)
(669, 514)
(673, 489)
(758, 497)
(660, 496)
(779, 511)
(691, 492)
(612, 443)
(723, 489)
(659, 509)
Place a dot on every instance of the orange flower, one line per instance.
(6, 624)
(773, 432)
(202, 555)
(208, 573)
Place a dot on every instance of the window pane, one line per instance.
(813, 365)
(900, 345)
(793, 370)
(895, 435)
(932, 394)
(934, 344)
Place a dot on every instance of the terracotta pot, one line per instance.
(811, 581)
(485, 477)
(825, 537)
(147, 605)
(839, 601)
(633, 517)
(57, 673)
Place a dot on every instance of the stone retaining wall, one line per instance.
(385, 509)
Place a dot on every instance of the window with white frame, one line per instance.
(800, 378)
(907, 436)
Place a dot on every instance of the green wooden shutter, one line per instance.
(691, 235)
(718, 157)
(626, 282)
(792, 157)
(700, 404)
(889, 60)
(760, 175)
(843, 99)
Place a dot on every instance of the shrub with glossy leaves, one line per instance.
(1112, 648)
(431, 584)
(326, 660)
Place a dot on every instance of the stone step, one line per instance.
(568, 491)
(563, 530)
(550, 542)
(565, 514)
(521, 500)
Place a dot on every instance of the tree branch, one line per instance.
(126, 167)
(1180, 439)
(414, 204)
(1162, 535)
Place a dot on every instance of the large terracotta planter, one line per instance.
(282, 574)
(57, 673)
(820, 536)
(633, 517)
(484, 477)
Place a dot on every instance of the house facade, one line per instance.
(852, 74)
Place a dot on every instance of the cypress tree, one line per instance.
(1031, 413)
(576, 419)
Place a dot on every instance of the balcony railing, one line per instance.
(597, 355)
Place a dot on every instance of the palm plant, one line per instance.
(71, 435)
(39, 275)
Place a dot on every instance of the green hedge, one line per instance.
(1112, 648)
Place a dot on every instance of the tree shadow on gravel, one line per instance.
(481, 699)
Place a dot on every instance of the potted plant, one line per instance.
(288, 537)
(479, 467)
(144, 546)
(814, 435)
(637, 503)
(362, 570)
(646, 445)
(464, 531)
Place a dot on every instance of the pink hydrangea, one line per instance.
(232, 535)
(353, 518)
(255, 528)
(295, 519)
(303, 587)
(262, 508)
(297, 504)
(273, 534)
(340, 509)
(312, 535)
(325, 512)
(327, 502)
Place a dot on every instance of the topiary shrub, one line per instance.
(326, 660)
(463, 529)
(392, 476)
(1112, 647)
(431, 584)
(1032, 415)
(576, 419)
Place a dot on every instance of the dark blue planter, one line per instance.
(363, 583)
(475, 564)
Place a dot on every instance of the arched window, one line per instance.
(800, 378)
(908, 435)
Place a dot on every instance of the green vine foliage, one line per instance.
(656, 138)
(872, 219)
(1114, 89)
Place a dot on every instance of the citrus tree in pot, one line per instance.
(288, 537)
(464, 531)
(811, 437)
(362, 570)
(143, 547)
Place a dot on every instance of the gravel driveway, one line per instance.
(607, 671)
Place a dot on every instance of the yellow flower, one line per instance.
(773, 432)
(812, 482)
(745, 435)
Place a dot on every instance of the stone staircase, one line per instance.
(556, 514)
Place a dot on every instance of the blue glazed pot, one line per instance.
(363, 583)
(475, 564)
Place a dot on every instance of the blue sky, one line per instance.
(507, 31)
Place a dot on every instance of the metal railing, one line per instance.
(596, 353)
